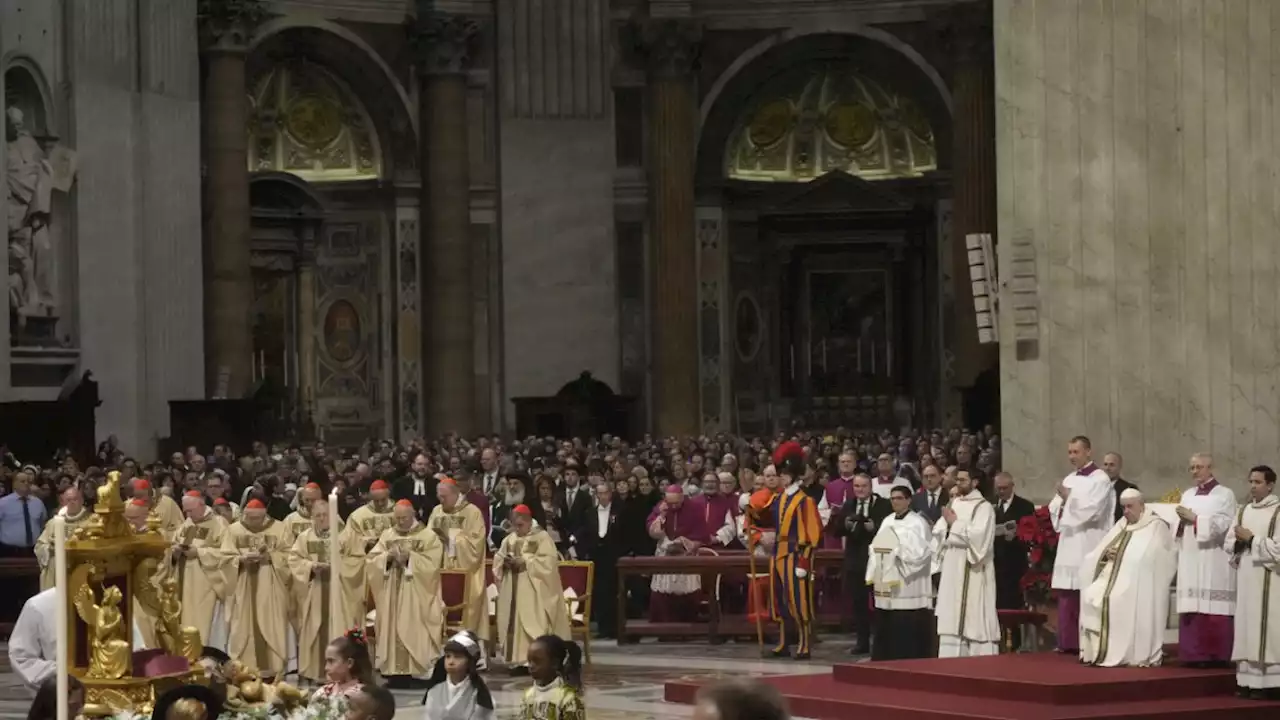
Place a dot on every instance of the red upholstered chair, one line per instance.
(581, 577)
(155, 663)
(453, 593)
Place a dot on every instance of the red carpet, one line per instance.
(1044, 686)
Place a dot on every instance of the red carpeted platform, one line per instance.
(1044, 686)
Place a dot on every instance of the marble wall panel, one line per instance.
(1135, 147)
(553, 58)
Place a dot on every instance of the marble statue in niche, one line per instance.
(34, 171)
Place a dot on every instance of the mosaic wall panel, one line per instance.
(347, 381)
(407, 326)
(713, 286)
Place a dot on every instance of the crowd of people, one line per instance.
(926, 521)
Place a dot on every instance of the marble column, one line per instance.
(670, 49)
(973, 173)
(442, 44)
(228, 279)
(307, 328)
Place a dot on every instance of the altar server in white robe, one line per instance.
(1124, 606)
(1255, 545)
(1082, 512)
(1206, 579)
(899, 573)
(964, 538)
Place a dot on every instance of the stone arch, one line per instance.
(878, 52)
(358, 67)
(25, 88)
(284, 190)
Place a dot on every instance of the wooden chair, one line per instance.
(453, 593)
(580, 576)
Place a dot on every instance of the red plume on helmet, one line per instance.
(786, 450)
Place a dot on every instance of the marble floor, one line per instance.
(621, 682)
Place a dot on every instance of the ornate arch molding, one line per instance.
(35, 88)
(350, 60)
(894, 63)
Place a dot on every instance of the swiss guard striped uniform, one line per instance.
(795, 515)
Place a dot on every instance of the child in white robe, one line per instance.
(456, 691)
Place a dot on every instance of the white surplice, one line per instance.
(966, 609)
(1256, 651)
(1124, 605)
(33, 643)
(447, 701)
(898, 569)
(1081, 521)
(1206, 580)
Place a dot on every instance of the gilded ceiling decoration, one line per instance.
(303, 120)
(825, 117)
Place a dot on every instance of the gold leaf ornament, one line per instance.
(850, 126)
(771, 124)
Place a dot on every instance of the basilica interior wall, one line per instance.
(556, 140)
(126, 76)
(1137, 215)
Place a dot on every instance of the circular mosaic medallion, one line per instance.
(850, 125)
(772, 122)
(314, 121)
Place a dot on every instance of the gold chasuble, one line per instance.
(44, 545)
(258, 598)
(369, 521)
(298, 522)
(171, 518)
(465, 529)
(197, 560)
(527, 570)
(312, 579)
(404, 575)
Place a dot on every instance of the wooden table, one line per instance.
(717, 626)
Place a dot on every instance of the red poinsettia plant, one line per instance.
(1037, 533)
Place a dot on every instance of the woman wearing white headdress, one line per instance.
(456, 691)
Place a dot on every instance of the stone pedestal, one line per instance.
(442, 45)
(228, 279)
(670, 50)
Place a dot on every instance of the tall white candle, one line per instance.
(63, 633)
(335, 584)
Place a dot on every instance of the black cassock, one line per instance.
(1011, 555)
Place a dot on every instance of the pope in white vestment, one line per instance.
(899, 572)
(1124, 606)
(1206, 579)
(966, 608)
(1083, 511)
(33, 643)
(1255, 545)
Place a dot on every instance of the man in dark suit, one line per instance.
(1113, 466)
(604, 543)
(1010, 552)
(931, 498)
(862, 515)
(418, 487)
(575, 503)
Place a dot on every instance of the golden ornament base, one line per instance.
(104, 698)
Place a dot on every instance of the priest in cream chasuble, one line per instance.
(1124, 606)
(257, 550)
(313, 579)
(461, 528)
(1255, 546)
(74, 511)
(965, 541)
(531, 599)
(197, 560)
(403, 571)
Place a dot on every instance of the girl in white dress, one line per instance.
(456, 691)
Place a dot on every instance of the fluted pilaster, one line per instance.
(225, 33)
(442, 45)
(670, 50)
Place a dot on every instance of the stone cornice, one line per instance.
(442, 43)
(665, 47)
